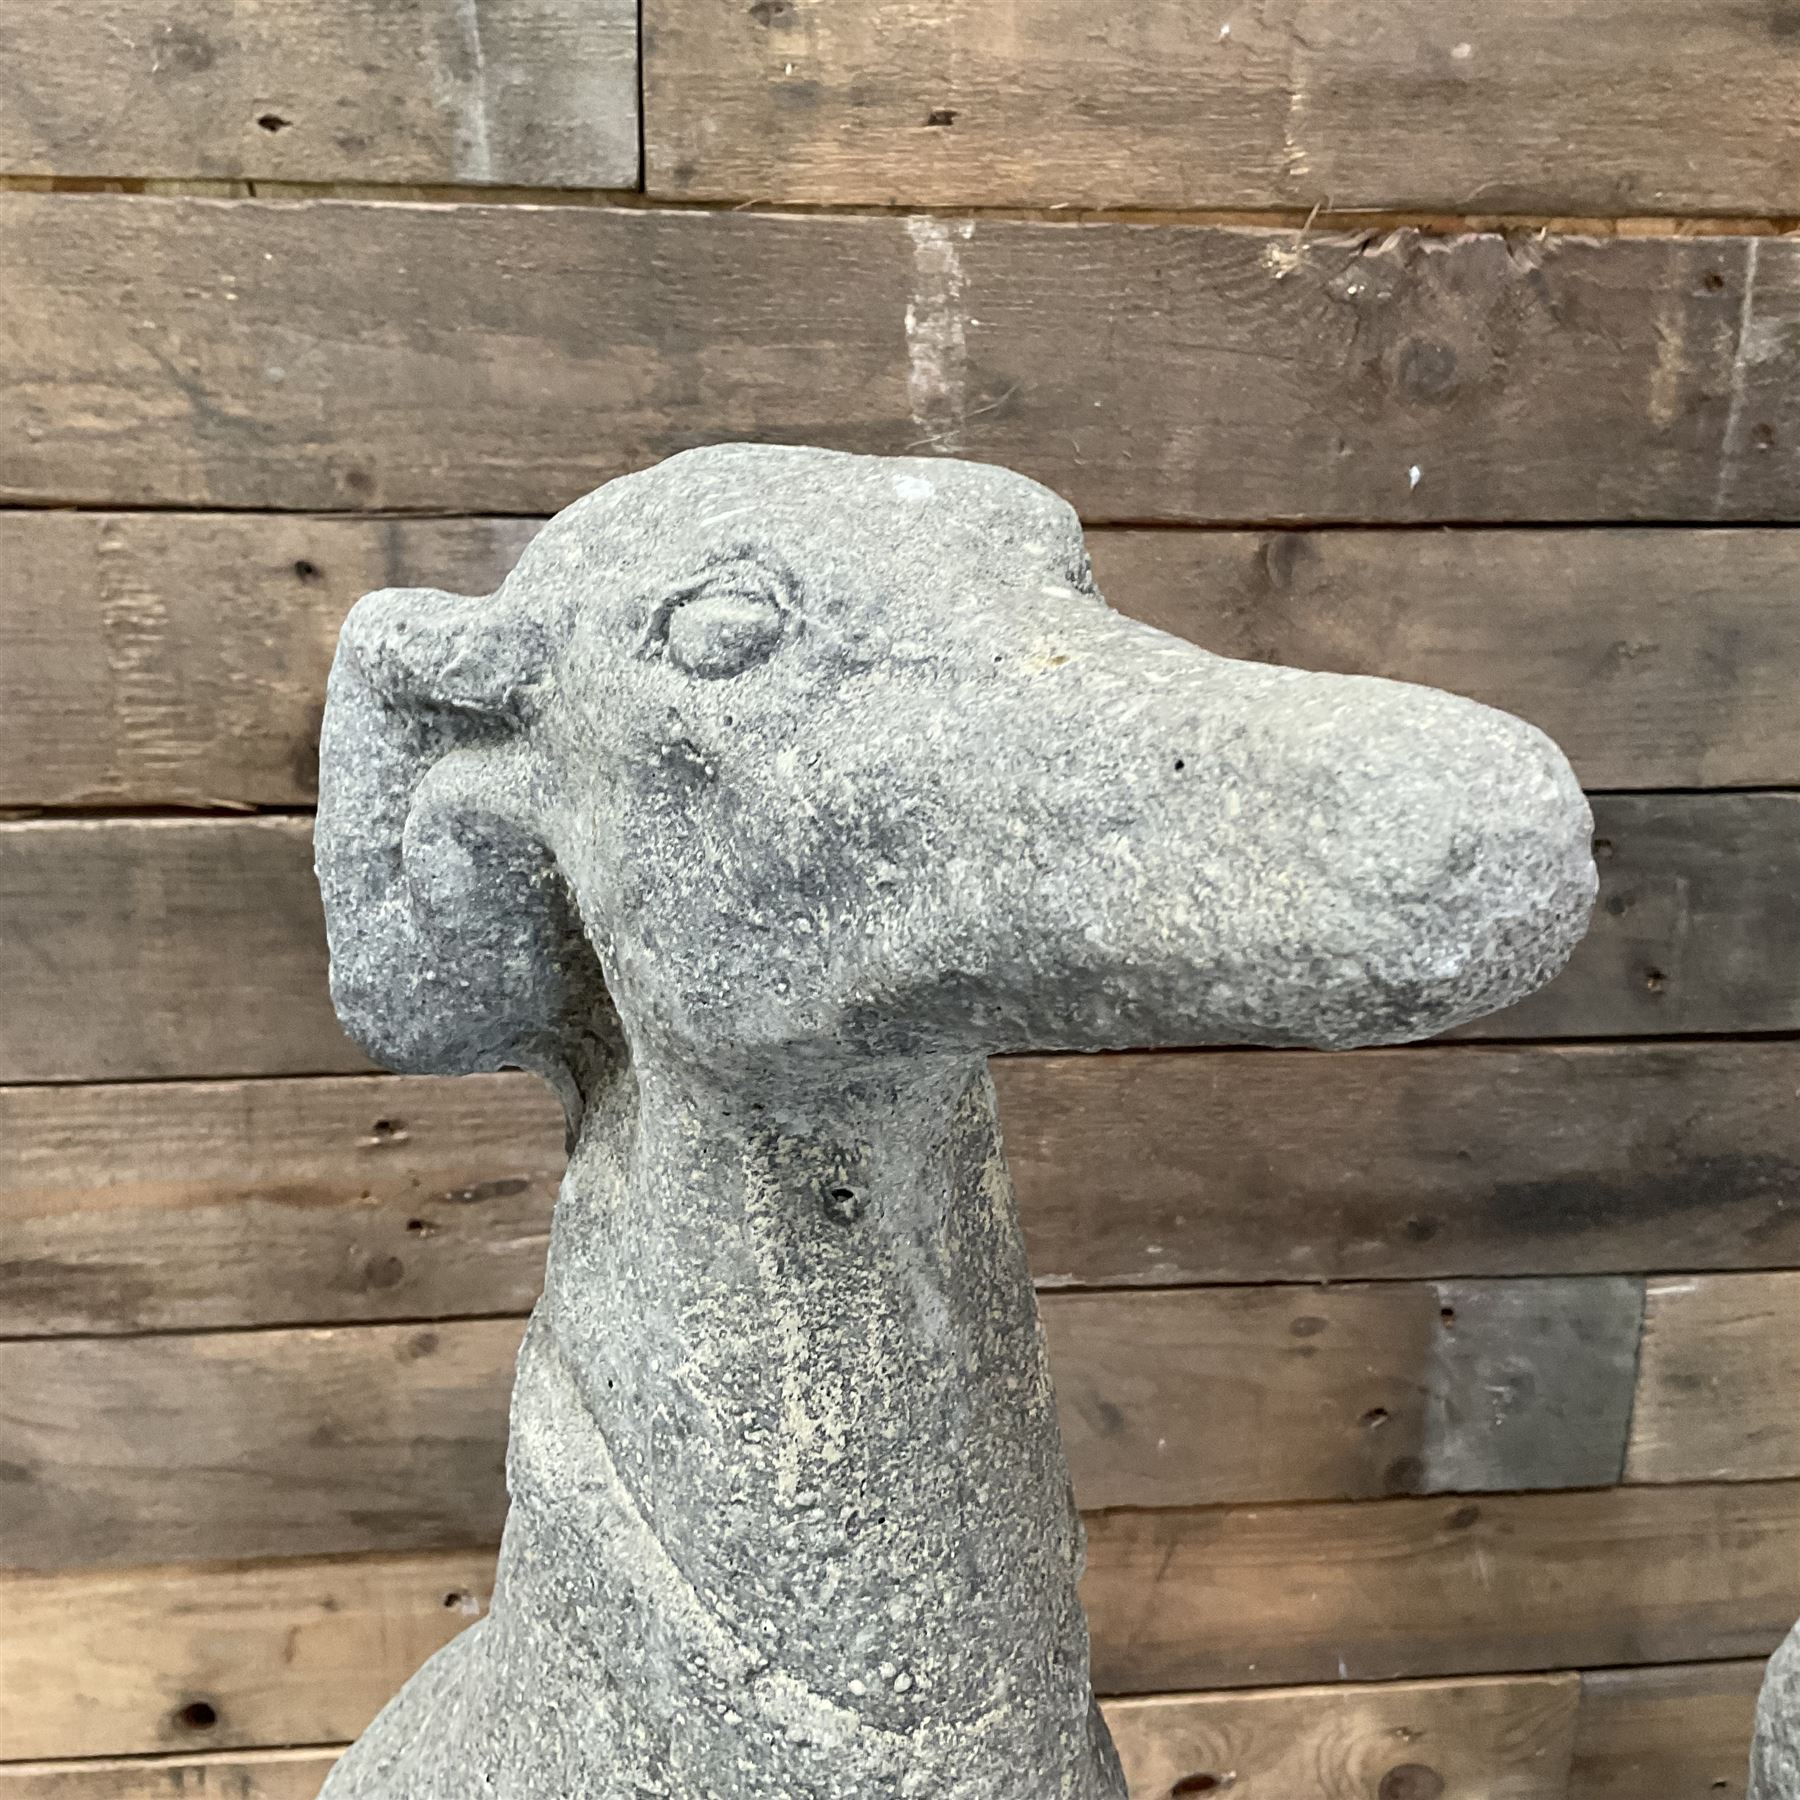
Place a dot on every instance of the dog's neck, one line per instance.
(799, 1313)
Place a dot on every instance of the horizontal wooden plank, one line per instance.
(108, 1663)
(180, 659)
(1232, 1394)
(1499, 1739)
(1541, 109)
(363, 1438)
(163, 947)
(1656, 659)
(531, 92)
(150, 948)
(214, 1775)
(1506, 1739)
(241, 1444)
(169, 1206)
(118, 1663)
(177, 1206)
(1539, 1160)
(1390, 1589)
(1695, 927)
(1721, 1367)
(1679, 1733)
(350, 356)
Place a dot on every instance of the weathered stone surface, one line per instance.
(772, 792)
(1775, 1758)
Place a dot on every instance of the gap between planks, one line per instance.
(1430, 1047)
(104, 812)
(1046, 1290)
(1286, 525)
(1301, 219)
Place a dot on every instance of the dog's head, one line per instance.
(766, 748)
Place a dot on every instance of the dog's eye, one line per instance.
(731, 618)
(727, 622)
(723, 633)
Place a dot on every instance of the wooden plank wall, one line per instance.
(1430, 1407)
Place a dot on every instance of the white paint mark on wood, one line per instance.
(1281, 260)
(1748, 345)
(1669, 380)
(937, 332)
(148, 696)
(472, 153)
(1292, 153)
(1293, 124)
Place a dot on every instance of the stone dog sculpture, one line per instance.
(773, 792)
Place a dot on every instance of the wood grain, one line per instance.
(307, 1650)
(1270, 1166)
(531, 92)
(215, 1775)
(1694, 931)
(141, 947)
(1721, 1366)
(1680, 1733)
(241, 1444)
(1656, 659)
(1386, 1590)
(354, 356)
(156, 948)
(1455, 108)
(181, 660)
(1506, 1739)
(393, 1437)
(173, 1206)
(178, 1206)
(1234, 1394)
(302, 1651)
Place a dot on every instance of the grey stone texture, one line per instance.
(772, 792)
(1775, 1760)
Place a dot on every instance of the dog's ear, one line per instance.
(470, 665)
(456, 944)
